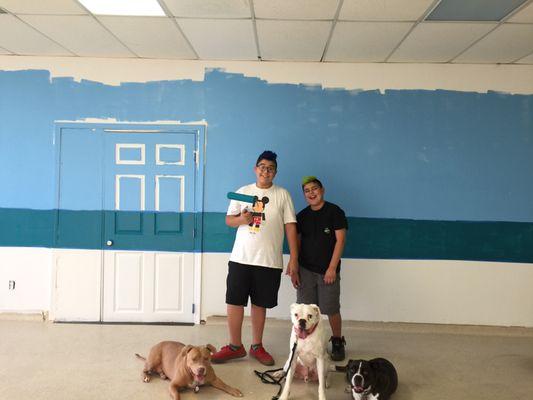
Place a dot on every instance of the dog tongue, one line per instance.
(302, 334)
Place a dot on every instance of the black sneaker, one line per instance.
(337, 348)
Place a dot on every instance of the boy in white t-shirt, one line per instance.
(256, 262)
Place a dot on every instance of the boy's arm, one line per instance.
(292, 239)
(331, 273)
(244, 218)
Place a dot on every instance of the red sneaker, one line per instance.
(227, 353)
(262, 355)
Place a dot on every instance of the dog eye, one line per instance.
(309, 316)
(296, 315)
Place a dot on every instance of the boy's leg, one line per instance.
(335, 321)
(264, 294)
(237, 290)
(329, 301)
(258, 323)
(235, 318)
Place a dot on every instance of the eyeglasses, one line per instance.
(266, 168)
(312, 189)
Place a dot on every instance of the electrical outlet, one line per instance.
(11, 285)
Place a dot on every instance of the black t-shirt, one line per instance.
(317, 231)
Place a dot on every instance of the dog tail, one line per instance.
(140, 357)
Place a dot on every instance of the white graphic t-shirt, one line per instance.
(261, 243)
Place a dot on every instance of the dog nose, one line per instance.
(301, 323)
(358, 380)
(201, 371)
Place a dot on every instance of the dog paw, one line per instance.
(162, 376)
(146, 379)
(236, 393)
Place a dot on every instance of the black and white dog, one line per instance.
(372, 380)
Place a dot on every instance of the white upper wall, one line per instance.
(514, 79)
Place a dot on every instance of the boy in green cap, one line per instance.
(322, 234)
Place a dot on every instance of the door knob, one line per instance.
(109, 243)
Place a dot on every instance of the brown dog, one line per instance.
(185, 366)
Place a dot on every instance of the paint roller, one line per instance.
(241, 197)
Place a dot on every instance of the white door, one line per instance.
(149, 226)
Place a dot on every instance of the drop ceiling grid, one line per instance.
(19, 38)
(365, 41)
(73, 33)
(383, 10)
(439, 41)
(150, 37)
(220, 39)
(525, 15)
(295, 30)
(295, 9)
(43, 7)
(292, 40)
(505, 44)
(209, 8)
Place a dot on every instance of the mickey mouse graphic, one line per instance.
(258, 215)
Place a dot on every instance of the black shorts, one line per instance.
(261, 284)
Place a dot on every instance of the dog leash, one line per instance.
(266, 376)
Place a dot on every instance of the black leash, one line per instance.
(266, 376)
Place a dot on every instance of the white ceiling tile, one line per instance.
(217, 39)
(365, 41)
(384, 10)
(526, 60)
(19, 38)
(292, 40)
(296, 9)
(70, 7)
(524, 15)
(505, 44)
(209, 8)
(439, 42)
(151, 37)
(83, 35)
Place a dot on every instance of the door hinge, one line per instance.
(193, 232)
(193, 308)
(196, 158)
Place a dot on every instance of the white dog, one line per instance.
(310, 359)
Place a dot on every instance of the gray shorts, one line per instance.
(313, 290)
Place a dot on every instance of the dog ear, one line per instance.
(211, 348)
(316, 309)
(185, 350)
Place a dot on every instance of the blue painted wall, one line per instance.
(405, 154)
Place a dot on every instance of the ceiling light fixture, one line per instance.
(124, 7)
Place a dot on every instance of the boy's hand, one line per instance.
(293, 272)
(246, 217)
(330, 276)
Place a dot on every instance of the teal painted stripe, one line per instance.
(367, 237)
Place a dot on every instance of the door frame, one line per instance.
(199, 129)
